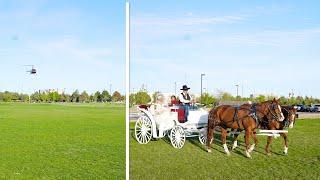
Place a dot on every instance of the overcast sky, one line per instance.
(73, 45)
(266, 47)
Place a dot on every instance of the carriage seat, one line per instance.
(144, 106)
(180, 110)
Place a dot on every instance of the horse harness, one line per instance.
(253, 114)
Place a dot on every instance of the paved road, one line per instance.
(133, 116)
(308, 115)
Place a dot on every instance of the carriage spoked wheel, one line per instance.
(203, 136)
(143, 130)
(177, 137)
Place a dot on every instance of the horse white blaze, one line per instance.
(282, 116)
(226, 149)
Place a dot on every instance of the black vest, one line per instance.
(186, 97)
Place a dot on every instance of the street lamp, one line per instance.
(175, 88)
(201, 88)
(237, 85)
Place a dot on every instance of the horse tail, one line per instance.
(213, 121)
(213, 118)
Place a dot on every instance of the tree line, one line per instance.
(54, 96)
(142, 97)
(209, 99)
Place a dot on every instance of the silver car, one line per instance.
(315, 108)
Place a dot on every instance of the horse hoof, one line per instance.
(268, 154)
(248, 155)
(228, 154)
(251, 148)
(286, 154)
(209, 150)
(233, 148)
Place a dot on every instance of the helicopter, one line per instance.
(33, 70)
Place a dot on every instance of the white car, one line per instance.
(315, 107)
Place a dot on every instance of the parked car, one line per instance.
(307, 108)
(315, 108)
(301, 108)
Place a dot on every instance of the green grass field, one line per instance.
(55, 141)
(159, 160)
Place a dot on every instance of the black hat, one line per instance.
(185, 87)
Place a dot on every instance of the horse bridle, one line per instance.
(274, 115)
(286, 120)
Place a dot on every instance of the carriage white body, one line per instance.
(150, 125)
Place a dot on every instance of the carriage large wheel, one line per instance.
(143, 130)
(203, 136)
(177, 137)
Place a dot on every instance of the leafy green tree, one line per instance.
(35, 97)
(53, 96)
(84, 97)
(106, 97)
(116, 96)
(132, 99)
(44, 97)
(24, 97)
(260, 98)
(283, 100)
(155, 96)
(123, 98)
(97, 97)
(208, 99)
(227, 96)
(142, 97)
(75, 96)
(7, 96)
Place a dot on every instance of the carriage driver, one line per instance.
(185, 99)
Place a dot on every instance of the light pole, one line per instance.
(110, 88)
(175, 88)
(237, 85)
(201, 88)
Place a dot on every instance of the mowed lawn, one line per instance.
(159, 160)
(56, 141)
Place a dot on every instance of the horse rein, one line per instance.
(274, 116)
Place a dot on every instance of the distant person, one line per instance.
(185, 99)
(174, 101)
(160, 107)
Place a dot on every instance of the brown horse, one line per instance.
(246, 117)
(289, 113)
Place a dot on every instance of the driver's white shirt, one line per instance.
(181, 98)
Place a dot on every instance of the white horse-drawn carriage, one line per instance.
(151, 125)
